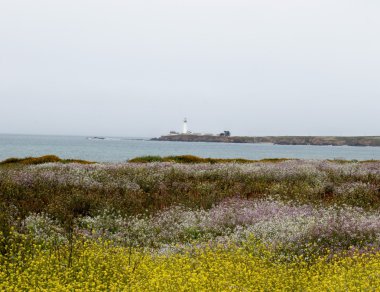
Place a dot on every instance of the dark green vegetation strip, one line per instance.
(196, 159)
(190, 159)
(41, 160)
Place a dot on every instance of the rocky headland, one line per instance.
(278, 140)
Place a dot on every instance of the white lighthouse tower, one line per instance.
(185, 129)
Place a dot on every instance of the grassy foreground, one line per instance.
(190, 226)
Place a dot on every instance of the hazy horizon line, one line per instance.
(148, 137)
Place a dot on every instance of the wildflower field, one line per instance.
(164, 226)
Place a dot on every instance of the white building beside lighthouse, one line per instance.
(185, 130)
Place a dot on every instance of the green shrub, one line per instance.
(147, 159)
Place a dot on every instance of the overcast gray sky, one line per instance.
(136, 68)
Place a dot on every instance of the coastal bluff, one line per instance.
(373, 141)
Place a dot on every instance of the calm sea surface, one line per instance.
(122, 149)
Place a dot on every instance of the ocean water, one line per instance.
(122, 149)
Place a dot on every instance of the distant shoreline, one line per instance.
(372, 141)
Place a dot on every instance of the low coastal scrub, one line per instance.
(286, 229)
(75, 189)
(41, 160)
(163, 225)
(196, 159)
